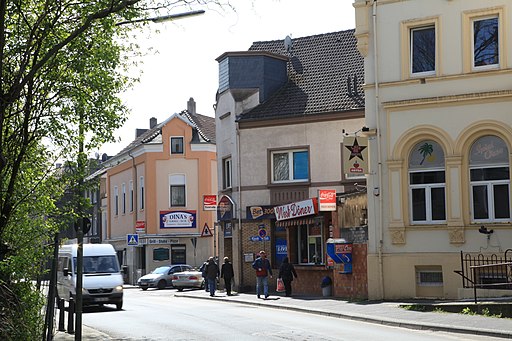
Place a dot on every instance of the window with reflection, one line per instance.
(485, 41)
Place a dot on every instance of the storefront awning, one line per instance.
(296, 222)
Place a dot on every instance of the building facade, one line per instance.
(438, 107)
(282, 110)
(155, 189)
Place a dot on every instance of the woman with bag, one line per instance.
(286, 273)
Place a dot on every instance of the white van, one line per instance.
(102, 280)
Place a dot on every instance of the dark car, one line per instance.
(161, 277)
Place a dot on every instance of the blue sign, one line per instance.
(281, 250)
(340, 252)
(132, 239)
(259, 239)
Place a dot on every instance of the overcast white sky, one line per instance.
(184, 65)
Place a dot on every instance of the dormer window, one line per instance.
(177, 145)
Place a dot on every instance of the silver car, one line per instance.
(161, 277)
(188, 279)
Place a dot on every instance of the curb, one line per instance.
(365, 318)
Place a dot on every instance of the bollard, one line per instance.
(71, 311)
(60, 305)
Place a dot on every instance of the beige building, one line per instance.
(156, 187)
(438, 97)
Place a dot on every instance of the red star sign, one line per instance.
(355, 150)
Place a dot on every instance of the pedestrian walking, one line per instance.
(263, 270)
(286, 273)
(227, 273)
(203, 273)
(212, 273)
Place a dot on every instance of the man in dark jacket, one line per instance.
(212, 272)
(286, 273)
(263, 270)
(226, 272)
(203, 273)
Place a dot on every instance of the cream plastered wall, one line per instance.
(454, 106)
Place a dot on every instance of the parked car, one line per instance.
(161, 277)
(188, 279)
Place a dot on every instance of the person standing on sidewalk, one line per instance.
(203, 273)
(286, 273)
(263, 270)
(212, 273)
(227, 273)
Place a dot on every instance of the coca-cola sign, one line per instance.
(295, 210)
(327, 200)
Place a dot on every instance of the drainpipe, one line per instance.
(239, 164)
(135, 193)
(378, 190)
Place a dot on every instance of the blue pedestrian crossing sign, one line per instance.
(132, 239)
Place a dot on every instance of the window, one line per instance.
(177, 190)
(489, 180)
(485, 42)
(123, 186)
(142, 195)
(131, 195)
(226, 173)
(423, 50)
(290, 166)
(178, 254)
(429, 276)
(160, 254)
(116, 200)
(427, 183)
(177, 145)
(310, 237)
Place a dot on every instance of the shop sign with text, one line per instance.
(177, 219)
(327, 200)
(295, 210)
(209, 202)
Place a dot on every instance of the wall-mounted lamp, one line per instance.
(365, 131)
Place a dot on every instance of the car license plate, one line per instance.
(101, 299)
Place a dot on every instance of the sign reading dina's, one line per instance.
(177, 219)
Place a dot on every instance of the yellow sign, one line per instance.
(355, 155)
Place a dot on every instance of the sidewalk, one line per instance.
(387, 313)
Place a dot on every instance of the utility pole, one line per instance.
(80, 229)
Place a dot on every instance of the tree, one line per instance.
(61, 63)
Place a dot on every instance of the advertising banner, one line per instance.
(296, 209)
(209, 202)
(260, 212)
(327, 200)
(355, 155)
(177, 219)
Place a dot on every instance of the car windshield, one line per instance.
(163, 270)
(99, 264)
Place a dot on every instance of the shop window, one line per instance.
(178, 254)
(290, 166)
(177, 145)
(310, 240)
(226, 173)
(490, 180)
(427, 183)
(423, 50)
(177, 190)
(161, 254)
(485, 42)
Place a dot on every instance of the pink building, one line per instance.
(155, 190)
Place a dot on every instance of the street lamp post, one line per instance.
(163, 18)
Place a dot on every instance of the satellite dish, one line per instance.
(288, 44)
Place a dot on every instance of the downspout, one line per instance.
(239, 163)
(379, 152)
(135, 210)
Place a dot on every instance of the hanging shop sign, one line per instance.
(355, 155)
(177, 219)
(260, 212)
(209, 202)
(225, 208)
(296, 209)
(140, 226)
(327, 200)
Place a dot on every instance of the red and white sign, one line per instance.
(209, 202)
(295, 210)
(327, 200)
(140, 226)
(207, 232)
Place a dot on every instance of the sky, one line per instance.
(179, 60)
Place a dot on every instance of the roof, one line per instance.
(204, 125)
(325, 75)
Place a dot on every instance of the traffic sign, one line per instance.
(132, 239)
(259, 239)
(206, 231)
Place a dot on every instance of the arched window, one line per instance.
(489, 180)
(427, 183)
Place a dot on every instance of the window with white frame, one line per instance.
(485, 41)
(177, 190)
(131, 195)
(142, 193)
(177, 145)
(116, 200)
(290, 166)
(427, 183)
(226, 173)
(310, 240)
(123, 200)
(489, 180)
(423, 50)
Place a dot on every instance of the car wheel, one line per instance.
(161, 284)
(144, 289)
(180, 289)
(119, 305)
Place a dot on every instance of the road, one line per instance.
(158, 315)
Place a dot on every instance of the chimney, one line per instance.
(191, 106)
(152, 122)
